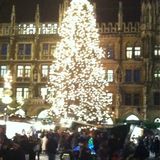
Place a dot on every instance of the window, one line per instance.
(129, 52)
(128, 99)
(27, 71)
(45, 48)
(136, 73)
(110, 97)
(133, 52)
(24, 71)
(156, 98)
(132, 99)
(1, 93)
(45, 70)
(4, 49)
(24, 49)
(22, 92)
(157, 51)
(157, 74)
(128, 75)
(48, 48)
(136, 99)
(20, 71)
(109, 52)
(43, 92)
(109, 75)
(132, 75)
(137, 52)
(3, 70)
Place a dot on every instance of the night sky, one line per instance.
(107, 10)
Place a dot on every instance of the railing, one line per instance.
(105, 28)
(52, 28)
(28, 29)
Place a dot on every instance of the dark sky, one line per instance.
(107, 10)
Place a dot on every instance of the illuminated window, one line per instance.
(22, 92)
(133, 52)
(52, 48)
(43, 92)
(109, 75)
(27, 70)
(45, 70)
(157, 51)
(23, 71)
(129, 52)
(1, 93)
(156, 98)
(137, 52)
(3, 70)
(20, 71)
(24, 49)
(157, 74)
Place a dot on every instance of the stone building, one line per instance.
(132, 61)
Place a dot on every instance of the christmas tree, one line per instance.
(77, 85)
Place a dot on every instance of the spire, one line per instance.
(120, 16)
(62, 8)
(142, 12)
(37, 18)
(13, 16)
(60, 14)
(13, 20)
(66, 4)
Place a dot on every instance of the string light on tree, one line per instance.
(77, 85)
(6, 99)
(7, 93)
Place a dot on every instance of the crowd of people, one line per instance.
(84, 145)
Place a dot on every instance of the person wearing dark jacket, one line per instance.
(141, 153)
(51, 146)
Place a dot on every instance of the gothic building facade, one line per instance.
(132, 61)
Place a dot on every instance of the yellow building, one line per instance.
(132, 61)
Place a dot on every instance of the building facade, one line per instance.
(132, 61)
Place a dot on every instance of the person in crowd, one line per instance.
(23, 141)
(32, 144)
(10, 150)
(103, 150)
(37, 148)
(84, 152)
(51, 146)
(156, 146)
(141, 153)
(44, 140)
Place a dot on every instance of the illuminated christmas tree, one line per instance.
(77, 87)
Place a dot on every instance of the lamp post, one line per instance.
(7, 93)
